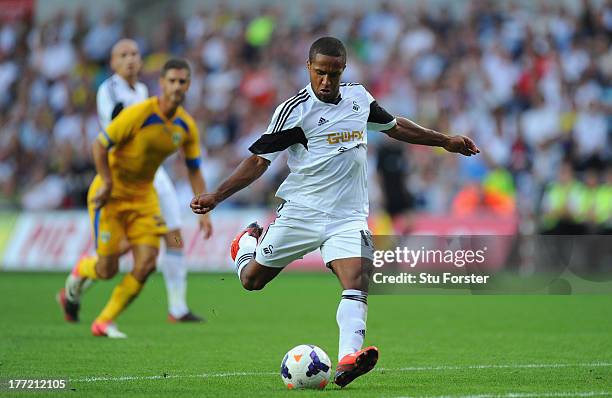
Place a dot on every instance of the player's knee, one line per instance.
(124, 247)
(251, 283)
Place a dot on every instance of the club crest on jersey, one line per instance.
(355, 106)
(176, 138)
(345, 136)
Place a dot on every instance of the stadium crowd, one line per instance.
(530, 83)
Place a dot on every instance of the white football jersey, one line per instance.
(115, 94)
(327, 146)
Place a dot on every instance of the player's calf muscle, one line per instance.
(358, 282)
(142, 270)
(255, 276)
(107, 267)
(145, 259)
(142, 274)
(352, 273)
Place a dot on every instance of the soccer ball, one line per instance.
(306, 366)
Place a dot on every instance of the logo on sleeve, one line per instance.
(355, 106)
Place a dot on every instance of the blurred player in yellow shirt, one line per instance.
(122, 202)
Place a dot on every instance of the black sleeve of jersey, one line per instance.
(279, 141)
(116, 110)
(378, 114)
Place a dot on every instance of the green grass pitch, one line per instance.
(431, 346)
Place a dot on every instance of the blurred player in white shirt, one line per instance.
(117, 92)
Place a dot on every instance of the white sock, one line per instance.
(247, 245)
(351, 317)
(175, 275)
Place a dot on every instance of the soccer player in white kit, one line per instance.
(115, 93)
(324, 128)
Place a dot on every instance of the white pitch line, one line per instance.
(405, 369)
(517, 366)
(526, 395)
(169, 376)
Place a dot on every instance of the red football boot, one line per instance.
(107, 329)
(189, 317)
(356, 364)
(252, 229)
(70, 308)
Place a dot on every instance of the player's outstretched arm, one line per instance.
(248, 171)
(100, 155)
(198, 185)
(408, 131)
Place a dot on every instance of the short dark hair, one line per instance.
(327, 46)
(175, 63)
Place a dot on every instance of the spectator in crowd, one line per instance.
(603, 205)
(561, 204)
(392, 168)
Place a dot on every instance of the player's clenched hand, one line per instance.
(206, 226)
(204, 203)
(102, 195)
(461, 144)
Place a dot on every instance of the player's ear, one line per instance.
(308, 64)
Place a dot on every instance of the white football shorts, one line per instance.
(168, 199)
(299, 230)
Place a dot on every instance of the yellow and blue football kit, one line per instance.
(139, 139)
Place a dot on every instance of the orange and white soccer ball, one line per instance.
(306, 367)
